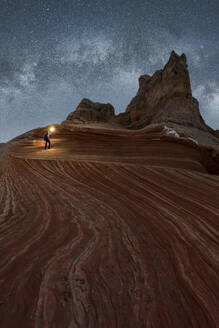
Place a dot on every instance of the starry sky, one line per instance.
(54, 53)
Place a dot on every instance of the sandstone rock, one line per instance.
(111, 228)
(182, 111)
(2, 148)
(155, 93)
(122, 119)
(216, 133)
(89, 228)
(165, 97)
(88, 111)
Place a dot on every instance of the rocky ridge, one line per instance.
(163, 98)
(88, 111)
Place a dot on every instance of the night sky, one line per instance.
(54, 53)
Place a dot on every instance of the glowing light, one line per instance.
(52, 129)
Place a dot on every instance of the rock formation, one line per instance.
(166, 97)
(109, 228)
(163, 98)
(2, 149)
(88, 111)
(114, 227)
(216, 133)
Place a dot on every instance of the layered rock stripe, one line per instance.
(108, 229)
(114, 227)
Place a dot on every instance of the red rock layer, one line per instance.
(108, 243)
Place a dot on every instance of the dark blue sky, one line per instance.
(54, 53)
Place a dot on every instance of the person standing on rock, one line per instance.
(47, 139)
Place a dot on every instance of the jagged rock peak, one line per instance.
(174, 56)
(165, 97)
(157, 91)
(174, 72)
(177, 65)
(88, 111)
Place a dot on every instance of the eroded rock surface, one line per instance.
(108, 228)
(163, 98)
(88, 111)
(114, 227)
(3, 147)
(166, 97)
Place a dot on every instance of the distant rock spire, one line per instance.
(166, 96)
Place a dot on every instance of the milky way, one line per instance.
(54, 53)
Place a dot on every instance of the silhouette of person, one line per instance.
(47, 139)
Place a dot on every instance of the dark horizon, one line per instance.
(55, 53)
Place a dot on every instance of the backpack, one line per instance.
(45, 137)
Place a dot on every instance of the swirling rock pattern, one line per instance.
(108, 229)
